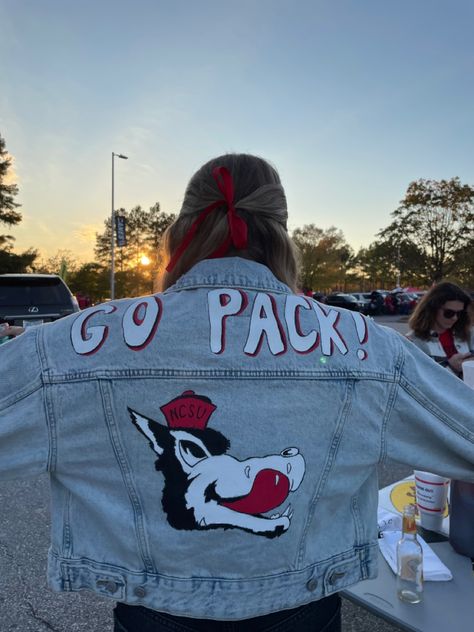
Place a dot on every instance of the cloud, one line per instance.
(87, 232)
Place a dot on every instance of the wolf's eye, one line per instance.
(191, 452)
(192, 448)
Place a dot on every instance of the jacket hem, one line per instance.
(215, 598)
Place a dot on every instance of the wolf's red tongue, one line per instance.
(269, 489)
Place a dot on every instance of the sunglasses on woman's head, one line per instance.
(451, 313)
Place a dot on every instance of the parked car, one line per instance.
(33, 299)
(343, 300)
(364, 301)
(405, 302)
(319, 296)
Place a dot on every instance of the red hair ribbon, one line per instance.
(237, 226)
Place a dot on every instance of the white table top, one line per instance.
(446, 606)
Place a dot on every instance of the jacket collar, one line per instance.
(230, 272)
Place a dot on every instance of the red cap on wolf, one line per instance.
(188, 411)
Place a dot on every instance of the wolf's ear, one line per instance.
(152, 430)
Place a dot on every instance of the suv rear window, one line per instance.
(15, 291)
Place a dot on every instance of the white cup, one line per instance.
(468, 372)
(431, 496)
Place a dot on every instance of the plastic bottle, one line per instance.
(409, 560)
(461, 521)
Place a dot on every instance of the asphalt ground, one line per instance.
(26, 603)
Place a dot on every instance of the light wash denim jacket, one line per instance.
(212, 450)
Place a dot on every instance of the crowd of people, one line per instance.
(213, 448)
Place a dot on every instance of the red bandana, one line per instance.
(237, 226)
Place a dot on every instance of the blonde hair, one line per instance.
(259, 199)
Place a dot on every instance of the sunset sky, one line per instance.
(350, 99)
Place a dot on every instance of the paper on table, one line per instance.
(388, 521)
(433, 568)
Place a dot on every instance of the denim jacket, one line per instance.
(212, 450)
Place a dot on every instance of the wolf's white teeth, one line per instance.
(277, 478)
(203, 523)
(247, 471)
(288, 468)
(290, 515)
(287, 511)
(274, 517)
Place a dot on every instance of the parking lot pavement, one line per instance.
(399, 323)
(27, 605)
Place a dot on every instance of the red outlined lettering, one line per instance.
(264, 321)
(140, 322)
(362, 333)
(330, 336)
(223, 303)
(301, 343)
(88, 339)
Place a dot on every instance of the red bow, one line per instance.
(237, 226)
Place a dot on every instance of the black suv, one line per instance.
(33, 299)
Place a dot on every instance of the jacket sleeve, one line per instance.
(442, 360)
(24, 440)
(430, 421)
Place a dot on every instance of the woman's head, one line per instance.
(259, 199)
(444, 306)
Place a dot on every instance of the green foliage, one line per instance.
(9, 261)
(8, 214)
(62, 263)
(437, 217)
(91, 279)
(326, 257)
(13, 263)
(144, 230)
(379, 264)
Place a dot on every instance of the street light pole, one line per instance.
(398, 265)
(112, 232)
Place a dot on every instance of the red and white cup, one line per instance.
(431, 497)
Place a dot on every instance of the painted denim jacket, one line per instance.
(212, 450)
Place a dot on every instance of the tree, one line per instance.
(438, 218)
(464, 272)
(8, 214)
(91, 279)
(144, 230)
(62, 263)
(9, 261)
(325, 257)
(382, 261)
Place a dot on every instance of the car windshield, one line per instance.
(39, 291)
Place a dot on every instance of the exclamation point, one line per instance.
(362, 333)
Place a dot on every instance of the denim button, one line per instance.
(335, 577)
(107, 584)
(312, 585)
(139, 591)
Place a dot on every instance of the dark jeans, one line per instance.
(318, 616)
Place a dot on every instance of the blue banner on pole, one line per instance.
(120, 233)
